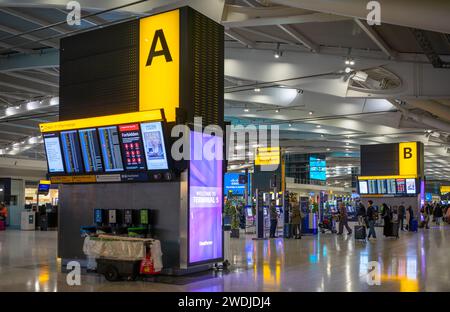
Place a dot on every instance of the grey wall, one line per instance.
(15, 210)
(77, 204)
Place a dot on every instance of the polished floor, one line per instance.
(415, 262)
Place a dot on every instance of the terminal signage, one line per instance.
(390, 186)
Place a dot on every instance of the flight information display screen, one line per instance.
(53, 152)
(71, 150)
(401, 186)
(391, 186)
(110, 147)
(363, 187)
(132, 151)
(90, 148)
(155, 150)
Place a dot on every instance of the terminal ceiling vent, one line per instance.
(379, 80)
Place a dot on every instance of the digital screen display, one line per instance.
(401, 186)
(155, 150)
(205, 200)
(317, 168)
(110, 146)
(90, 149)
(372, 186)
(71, 150)
(98, 216)
(363, 187)
(231, 182)
(249, 212)
(411, 186)
(43, 188)
(53, 152)
(381, 186)
(391, 189)
(132, 151)
(143, 215)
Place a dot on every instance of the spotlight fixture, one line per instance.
(328, 149)
(300, 91)
(277, 110)
(311, 112)
(318, 126)
(347, 70)
(257, 89)
(347, 143)
(321, 135)
(349, 61)
(278, 53)
(290, 125)
(246, 110)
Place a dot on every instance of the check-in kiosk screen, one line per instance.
(132, 151)
(90, 149)
(155, 150)
(53, 152)
(71, 150)
(110, 146)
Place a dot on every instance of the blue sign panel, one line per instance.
(317, 168)
(232, 184)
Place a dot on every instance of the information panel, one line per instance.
(71, 150)
(401, 186)
(317, 168)
(363, 187)
(205, 202)
(53, 152)
(110, 146)
(155, 150)
(132, 152)
(411, 186)
(90, 150)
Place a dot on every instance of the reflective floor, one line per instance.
(415, 262)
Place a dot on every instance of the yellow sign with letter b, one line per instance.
(407, 158)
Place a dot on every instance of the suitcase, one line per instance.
(2, 225)
(393, 230)
(360, 232)
(287, 230)
(414, 226)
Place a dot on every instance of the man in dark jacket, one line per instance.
(401, 215)
(437, 213)
(371, 218)
(273, 218)
(343, 219)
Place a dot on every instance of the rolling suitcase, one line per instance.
(360, 232)
(414, 226)
(393, 230)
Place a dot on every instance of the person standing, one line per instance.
(273, 218)
(371, 218)
(362, 215)
(401, 215)
(296, 221)
(387, 218)
(3, 212)
(437, 213)
(343, 219)
(409, 217)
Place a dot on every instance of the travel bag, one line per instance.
(360, 232)
(414, 226)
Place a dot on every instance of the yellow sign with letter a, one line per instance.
(407, 157)
(159, 63)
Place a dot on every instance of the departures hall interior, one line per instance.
(224, 146)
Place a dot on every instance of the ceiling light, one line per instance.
(246, 110)
(277, 111)
(347, 70)
(257, 89)
(321, 135)
(318, 126)
(310, 113)
(17, 107)
(347, 144)
(290, 125)
(277, 54)
(328, 149)
(352, 62)
(300, 91)
(347, 149)
(347, 62)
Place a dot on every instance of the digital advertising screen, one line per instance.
(363, 187)
(317, 168)
(132, 151)
(71, 150)
(110, 146)
(231, 183)
(401, 186)
(90, 149)
(53, 152)
(154, 147)
(43, 188)
(205, 201)
(411, 186)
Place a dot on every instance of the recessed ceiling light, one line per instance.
(246, 110)
(277, 111)
(328, 149)
(318, 126)
(257, 89)
(311, 112)
(321, 135)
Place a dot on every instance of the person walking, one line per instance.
(371, 219)
(409, 218)
(273, 218)
(427, 212)
(401, 215)
(343, 219)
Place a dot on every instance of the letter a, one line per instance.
(159, 35)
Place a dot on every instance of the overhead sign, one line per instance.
(266, 156)
(159, 63)
(407, 156)
(445, 189)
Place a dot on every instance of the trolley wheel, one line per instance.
(111, 273)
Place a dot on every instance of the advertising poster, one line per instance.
(53, 152)
(205, 202)
(232, 184)
(155, 151)
(401, 186)
(133, 154)
(410, 186)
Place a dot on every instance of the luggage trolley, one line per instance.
(120, 257)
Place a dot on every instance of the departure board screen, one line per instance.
(132, 151)
(90, 149)
(391, 186)
(53, 152)
(110, 146)
(71, 150)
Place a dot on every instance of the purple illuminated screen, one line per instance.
(205, 201)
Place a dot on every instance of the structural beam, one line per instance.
(33, 79)
(32, 38)
(373, 35)
(300, 37)
(32, 19)
(47, 71)
(239, 38)
(274, 38)
(18, 87)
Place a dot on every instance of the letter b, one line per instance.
(407, 153)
